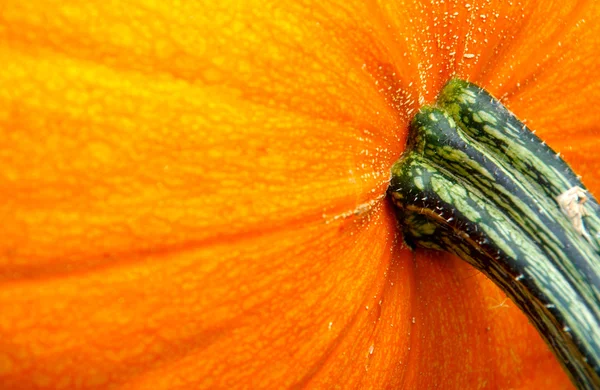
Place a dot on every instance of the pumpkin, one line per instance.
(192, 193)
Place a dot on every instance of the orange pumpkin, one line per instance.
(192, 193)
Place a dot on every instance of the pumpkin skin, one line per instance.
(191, 192)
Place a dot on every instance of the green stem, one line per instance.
(476, 182)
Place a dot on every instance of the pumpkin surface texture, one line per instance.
(192, 193)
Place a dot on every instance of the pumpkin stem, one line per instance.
(476, 182)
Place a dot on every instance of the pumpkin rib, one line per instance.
(386, 319)
(160, 376)
(308, 57)
(522, 34)
(166, 286)
(352, 323)
(40, 271)
(110, 174)
(75, 43)
(498, 352)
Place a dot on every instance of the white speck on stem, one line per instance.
(572, 203)
(469, 55)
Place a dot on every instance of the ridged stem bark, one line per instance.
(476, 182)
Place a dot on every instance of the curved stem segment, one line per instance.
(476, 182)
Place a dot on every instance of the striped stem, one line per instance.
(476, 182)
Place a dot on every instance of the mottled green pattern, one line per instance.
(514, 145)
(476, 182)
